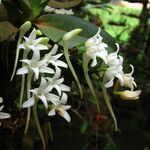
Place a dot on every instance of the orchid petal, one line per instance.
(32, 35)
(43, 98)
(57, 73)
(61, 64)
(59, 81)
(1, 108)
(64, 87)
(1, 99)
(43, 83)
(94, 62)
(21, 46)
(46, 70)
(41, 47)
(38, 40)
(4, 115)
(64, 98)
(28, 103)
(27, 61)
(65, 107)
(52, 98)
(58, 89)
(23, 70)
(65, 115)
(52, 112)
(36, 72)
(110, 83)
(57, 56)
(54, 49)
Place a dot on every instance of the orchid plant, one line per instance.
(44, 50)
(112, 63)
(47, 69)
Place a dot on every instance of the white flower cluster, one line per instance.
(58, 11)
(3, 115)
(49, 64)
(113, 61)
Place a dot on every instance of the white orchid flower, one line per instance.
(35, 66)
(31, 43)
(129, 80)
(60, 108)
(96, 48)
(130, 95)
(57, 83)
(43, 93)
(115, 68)
(58, 11)
(64, 11)
(113, 59)
(111, 73)
(52, 58)
(48, 9)
(3, 115)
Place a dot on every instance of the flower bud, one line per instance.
(25, 27)
(44, 40)
(69, 35)
(129, 95)
(38, 32)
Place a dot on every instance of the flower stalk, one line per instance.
(22, 83)
(66, 39)
(29, 78)
(108, 103)
(23, 29)
(85, 69)
(38, 124)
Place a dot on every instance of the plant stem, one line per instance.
(22, 91)
(108, 103)
(17, 56)
(85, 69)
(27, 121)
(50, 131)
(66, 53)
(29, 78)
(22, 83)
(38, 124)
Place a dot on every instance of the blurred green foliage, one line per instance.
(118, 21)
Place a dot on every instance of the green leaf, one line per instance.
(34, 3)
(55, 26)
(39, 8)
(7, 30)
(32, 9)
(26, 9)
